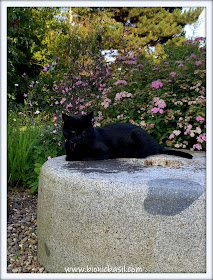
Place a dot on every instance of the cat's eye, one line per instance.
(73, 131)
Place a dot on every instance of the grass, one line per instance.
(20, 143)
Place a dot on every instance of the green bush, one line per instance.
(27, 152)
(165, 96)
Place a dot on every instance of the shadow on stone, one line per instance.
(169, 197)
(103, 166)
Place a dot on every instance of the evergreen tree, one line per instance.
(137, 26)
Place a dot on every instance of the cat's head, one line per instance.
(76, 128)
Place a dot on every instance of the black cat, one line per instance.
(118, 140)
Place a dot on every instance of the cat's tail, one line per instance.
(176, 153)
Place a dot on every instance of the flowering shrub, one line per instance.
(166, 98)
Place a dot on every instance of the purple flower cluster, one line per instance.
(159, 105)
(156, 84)
(120, 82)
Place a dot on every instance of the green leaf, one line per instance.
(34, 188)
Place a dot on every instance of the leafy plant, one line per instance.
(165, 95)
(20, 159)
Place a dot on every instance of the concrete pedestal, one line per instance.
(124, 214)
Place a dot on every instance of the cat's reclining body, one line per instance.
(83, 141)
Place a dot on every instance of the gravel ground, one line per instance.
(22, 234)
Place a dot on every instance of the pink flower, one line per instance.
(121, 58)
(106, 102)
(45, 68)
(54, 131)
(176, 132)
(140, 66)
(49, 157)
(81, 107)
(157, 84)
(203, 136)
(193, 55)
(63, 100)
(197, 146)
(120, 82)
(131, 62)
(134, 56)
(69, 105)
(173, 74)
(188, 41)
(199, 118)
(199, 139)
(59, 143)
(198, 63)
(118, 96)
(161, 104)
(199, 38)
(161, 111)
(78, 83)
(171, 136)
(155, 99)
(155, 109)
(56, 102)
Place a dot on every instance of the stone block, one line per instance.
(122, 214)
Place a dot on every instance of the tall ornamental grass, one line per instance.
(20, 144)
(27, 152)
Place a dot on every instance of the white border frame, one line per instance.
(4, 4)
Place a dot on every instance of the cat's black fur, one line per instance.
(118, 140)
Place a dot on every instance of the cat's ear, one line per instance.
(87, 118)
(65, 117)
(90, 116)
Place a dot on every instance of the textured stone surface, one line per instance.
(147, 213)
